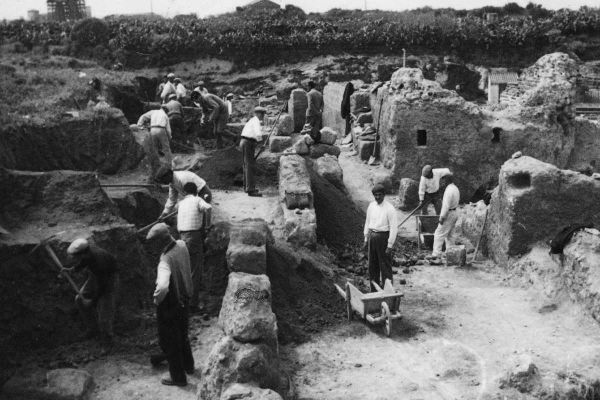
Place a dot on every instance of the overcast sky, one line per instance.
(12, 9)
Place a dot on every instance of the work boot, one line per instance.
(169, 382)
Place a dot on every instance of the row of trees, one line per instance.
(263, 37)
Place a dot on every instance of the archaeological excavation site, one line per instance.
(508, 306)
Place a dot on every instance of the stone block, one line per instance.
(232, 362)
(300, 147)
(251, 231)
(320, 149)
(285, 125)
(365, 149)
(297, 105)
(294, 182)
(245, 391)
(523, 375)
(408, 194)
(328, 136)
(247, 258)
(359, 100)
(364, 118)
(246, 312)
(300, 227)
(277, 144)
(329, 168)
(456, 255)
(58, 384)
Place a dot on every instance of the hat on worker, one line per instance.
(426, 170)
(172, 96)
(170, 75)
(229, 96)
(78, 246)
(260, 109)
(378, 189)
(158, 231)
(177, 80)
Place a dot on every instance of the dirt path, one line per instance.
(460, 329)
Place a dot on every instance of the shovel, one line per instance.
(145, 228)
(373, 159)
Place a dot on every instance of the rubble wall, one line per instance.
(534, 200)
(587, 144)
(97, 141)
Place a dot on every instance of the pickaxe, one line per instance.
(145, 228)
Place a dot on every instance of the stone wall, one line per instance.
(97, 141)
(534, 200)
(333, 94)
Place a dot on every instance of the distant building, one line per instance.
(33, 15)
(66, 10)
(88, 11)
(261, 5)
(491, 17)
(497, 82)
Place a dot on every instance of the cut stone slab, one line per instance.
(247, 258)
(58, 384)
(294, 182)
(277, 144)
(320, 149)
(297, 105)
(408, 194)
(365, 149)
(300, 227)
(244, 391)
(329, 168)
(364, 118)
(285, 125)
(456, 255)
(246, 313)
(328, 136)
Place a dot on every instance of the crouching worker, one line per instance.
(193, 217)
(381, 229)
(98, 295)
(172, 296)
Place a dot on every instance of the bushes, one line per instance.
(90, 32)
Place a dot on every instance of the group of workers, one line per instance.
(381, 225)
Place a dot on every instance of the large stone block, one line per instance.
(301, 147)
(277, 144)
(320, 149)
(300, 227)
(251, 231)
(294, 182)
(408, 194)
(232, 362)
(364, 118)
(456, 255)
(533, 201)
(57, 384)
(365, 149)
(360, 100)
(328, 136)
(246, 312)
(285, 125)
(239, 391)
(297, 105)
(247, 258)
(329, 168)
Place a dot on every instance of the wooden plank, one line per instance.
(356, 300)
(341, 291)
(377, 287)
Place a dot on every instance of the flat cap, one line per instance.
(78, 246)
(158, 231)
(170, 75)
(172, 96)
(260, 109)
(426, 170)
(378, 188)
(229, 95)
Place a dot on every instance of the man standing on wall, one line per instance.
(429, 188)
(381, 229)
(169, 88)
(448, 216)
(251, 135)
(314, 112)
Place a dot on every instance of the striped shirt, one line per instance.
(190, 213)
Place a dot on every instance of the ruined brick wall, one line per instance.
(534, 200)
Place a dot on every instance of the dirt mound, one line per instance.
(303, 297)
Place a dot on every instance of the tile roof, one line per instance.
(503, 77)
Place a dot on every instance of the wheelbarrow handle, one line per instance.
(424, 203)
(145, 228)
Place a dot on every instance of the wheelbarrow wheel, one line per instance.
(349, 311)
(385, 312)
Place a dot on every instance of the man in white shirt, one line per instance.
(381, 229)
(169, 88)
(180, 89)
(192, 218)
(251, 135)
(429, 188)
(448, 216)
(160, 132)
(176, 180)
(171, 296)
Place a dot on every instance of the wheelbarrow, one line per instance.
(382, 306)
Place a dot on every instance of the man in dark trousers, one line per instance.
(381, 229)
(172, 295)
(215, 112)
(251, 135)
(98, 295)
(174, 111)
(314, 111)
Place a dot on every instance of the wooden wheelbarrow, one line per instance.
(378, 307)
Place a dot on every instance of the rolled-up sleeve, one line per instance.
(393, 221)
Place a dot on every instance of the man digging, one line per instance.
(429, 188)
(448, 216)
(381, 229)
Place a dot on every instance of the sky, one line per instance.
(14, 9)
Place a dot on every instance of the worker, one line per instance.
(201, 87)
(160, 130)
(215, 113)
(192, 220)
(381, 229)
(251, 135)
(229, 102)
(314, 112)
(448, 215)
(98, 295)
(175, 114)
(176, 180)
(169, 87)
(429, 188)
(180, 89)
(172, 296)
(160, 87)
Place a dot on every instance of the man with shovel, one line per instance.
(98, 295)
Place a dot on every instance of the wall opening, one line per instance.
(421, 137)
(496, 132)
(519, 180)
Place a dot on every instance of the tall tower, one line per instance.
(64, 10)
